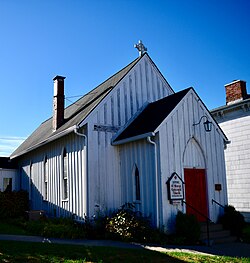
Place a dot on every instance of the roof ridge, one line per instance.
(138, 58)
(74, 114)
(88, 93)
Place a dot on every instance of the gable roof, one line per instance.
(73, 114)
(150, 118)
(152, 115)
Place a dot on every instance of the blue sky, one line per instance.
(198, 43)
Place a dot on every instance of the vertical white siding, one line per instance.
(142, 84)
(184, 145)
(141, 154)
(55, 205)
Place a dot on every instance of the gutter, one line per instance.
(131, 139)
(85, 177)
(49, 139)
(231, 106)
(156, 179)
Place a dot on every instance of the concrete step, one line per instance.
(212, 227)
(224, 240)
(217, 235)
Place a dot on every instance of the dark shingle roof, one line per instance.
(74, 114)
(151, 116)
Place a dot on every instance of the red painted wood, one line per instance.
(196, 192)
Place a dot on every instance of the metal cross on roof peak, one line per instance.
(141, 48)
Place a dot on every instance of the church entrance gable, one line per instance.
(195, 180)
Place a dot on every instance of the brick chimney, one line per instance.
(58, 102)
(236, 91)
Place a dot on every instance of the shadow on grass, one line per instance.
(13, 251)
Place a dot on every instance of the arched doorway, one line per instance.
(195, 181)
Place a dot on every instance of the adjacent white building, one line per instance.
(122, 142)
(8, 175)
(234, 119)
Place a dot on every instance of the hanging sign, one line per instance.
(106, 128)
(175, 188)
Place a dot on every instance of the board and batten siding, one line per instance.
(32, 177)
(183, 145)
(142, 84)
(141, 155)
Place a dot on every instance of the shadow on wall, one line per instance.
(37, 201)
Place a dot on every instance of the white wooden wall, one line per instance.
(76, 150)
(183, 145)
(142, 84)
(110, 168)
(9, 173)
(141, 154)
(236, 125)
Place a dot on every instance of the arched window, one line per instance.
(65, 175)
(137, 184)
(45, 178)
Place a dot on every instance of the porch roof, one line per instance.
(150, 117)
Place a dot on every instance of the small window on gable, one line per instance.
(137, 184)
(65, 175)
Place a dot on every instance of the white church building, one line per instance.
(130, 139)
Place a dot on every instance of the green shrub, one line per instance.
(34, 227)
(232, 220)
(187, 228)
(57, 228)
(246, 233)
(127, 225)
(13, 204)
(95, 227)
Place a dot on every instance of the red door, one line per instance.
(196, 192)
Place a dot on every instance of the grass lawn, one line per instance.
(12, 251)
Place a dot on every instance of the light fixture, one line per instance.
(207, 124)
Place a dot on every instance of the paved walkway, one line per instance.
(234, 249)
(228, 249)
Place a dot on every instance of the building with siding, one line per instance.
(131, 139)
(8, 175)
(234, 119)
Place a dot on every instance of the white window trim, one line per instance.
(65, 155)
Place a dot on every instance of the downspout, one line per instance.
(86, 170)
(156, 179)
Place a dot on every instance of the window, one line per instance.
(137, 184)
(7, 184)
(31, 182)
(45, 179)
(65, 175)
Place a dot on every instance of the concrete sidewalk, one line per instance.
(234, 249)
(228, 249)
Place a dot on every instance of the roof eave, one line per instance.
(230, 106)
(132, 139)
(50, 139)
